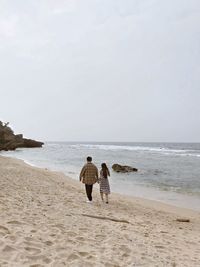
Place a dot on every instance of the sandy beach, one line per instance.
(45, 221)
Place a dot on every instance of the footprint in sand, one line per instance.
(159, 247)
(32, 245)
(28, 239)
(11, 238)
(33, 231)
(32, 250)
(71, 234)
(36, 265)
(8, 249)
(15, 222)
(4, 230)
(83, 253)
(48, 243)
(60, 228)
(100, 237)
(60, 249)
(125, 249)
(80, 238)
(113, 265)
(83, 229)
(59, 264)
(73, 256)
(39, 257)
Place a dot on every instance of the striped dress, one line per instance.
(104, 184)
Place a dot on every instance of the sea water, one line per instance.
(167, 172)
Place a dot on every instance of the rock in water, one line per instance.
(11, 141)
(123, 168)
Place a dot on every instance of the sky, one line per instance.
(101, 70)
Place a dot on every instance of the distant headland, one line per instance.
(11, 141)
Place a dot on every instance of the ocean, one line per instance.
(167, 172)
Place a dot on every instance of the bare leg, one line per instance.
(106, 198)
(101, 196)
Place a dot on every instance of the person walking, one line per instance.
(104, 182)
(89, 176)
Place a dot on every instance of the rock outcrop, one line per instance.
(123, 168)
(11, 141)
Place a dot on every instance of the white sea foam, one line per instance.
(166, 151)
(30, 163)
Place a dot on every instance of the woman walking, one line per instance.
(104, 182)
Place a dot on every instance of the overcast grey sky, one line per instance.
(101, 70)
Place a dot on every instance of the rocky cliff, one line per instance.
(11, 141)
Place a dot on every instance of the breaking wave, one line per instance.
(162, 150)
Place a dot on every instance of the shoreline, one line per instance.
(45, 221)
(147, 201)
(174, 199)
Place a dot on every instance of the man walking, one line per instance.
(89, 176)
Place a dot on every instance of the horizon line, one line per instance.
(180, 142)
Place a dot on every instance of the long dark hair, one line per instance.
(105, 170)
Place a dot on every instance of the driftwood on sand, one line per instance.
(182, 220)
(106, 218)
